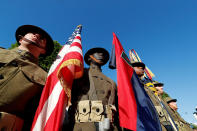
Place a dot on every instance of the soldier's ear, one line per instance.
(20, 40)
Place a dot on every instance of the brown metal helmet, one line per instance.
(24, 29)
(138, 64)
(156, 83)
(97, 49)
(169, 99)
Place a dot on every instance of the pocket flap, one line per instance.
(34, 73)
(97, 107)
(159, 110)
(84, 107)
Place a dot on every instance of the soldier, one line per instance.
(139, 69)
(181, 123)
(153, 94)
(159, 87)
(93, 96)
(21, 79)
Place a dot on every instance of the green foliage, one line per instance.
(193, 126)
(164, 95)
(14, 45)
(46, 62)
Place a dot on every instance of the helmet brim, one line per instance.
(24, 29)
(93, 50)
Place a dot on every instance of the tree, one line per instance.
(14, 45)
(164, 95)
(193, 126)
(45, 62)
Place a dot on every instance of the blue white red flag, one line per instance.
(56, 93)
(136, 111)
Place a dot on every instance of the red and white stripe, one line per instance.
(50, 112)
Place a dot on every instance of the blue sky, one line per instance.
(164, 34)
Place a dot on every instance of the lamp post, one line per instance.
(195, 113)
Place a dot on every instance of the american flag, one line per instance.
(57, 91)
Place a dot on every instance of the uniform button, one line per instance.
(84, 110)
(97, 110)
(1, 76)
(19, 51)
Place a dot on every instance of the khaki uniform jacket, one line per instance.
(181, 123)
(158, 107)
(21, 82)
(162, 113)
(104, 90)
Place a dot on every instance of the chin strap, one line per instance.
(93, 58)
(31, 42)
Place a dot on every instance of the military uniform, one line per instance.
(21, 82)
(147, 83)
(161, 112)
(93, 102)
(180, 122)
(21, 79)
(155, 98)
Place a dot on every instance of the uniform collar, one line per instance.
(95, 68)
(25, 55)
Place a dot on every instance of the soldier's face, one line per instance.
(173, 105)
(99, 56)
(159, 89)
(139, 71)
(34, 37)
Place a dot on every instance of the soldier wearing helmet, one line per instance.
(139, 68)
(21, 79)
(93, 102)
(152, 92)
(159, 87)
(181, 123)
